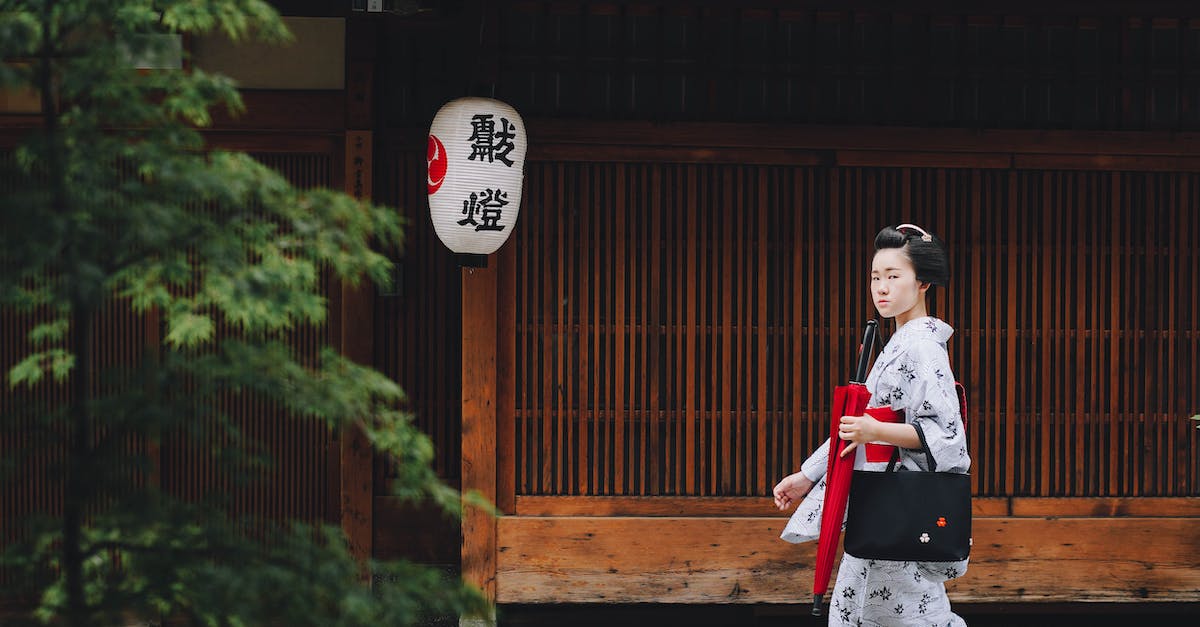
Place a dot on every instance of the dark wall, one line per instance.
(1105, 65)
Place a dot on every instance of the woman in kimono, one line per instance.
(912, 375)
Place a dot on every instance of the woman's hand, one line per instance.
(857, 430)
(863, 429)
(791, 489)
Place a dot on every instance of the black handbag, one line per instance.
(909, 516)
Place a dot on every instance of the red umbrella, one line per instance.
(848, 400)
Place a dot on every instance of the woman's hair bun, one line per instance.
(926, 252)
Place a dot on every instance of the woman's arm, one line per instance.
(862, 429)
(791, 490)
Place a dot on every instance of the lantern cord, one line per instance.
(479, 51)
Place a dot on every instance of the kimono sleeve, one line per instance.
(815, 466)
(932, 408)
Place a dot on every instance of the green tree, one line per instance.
(114, 198)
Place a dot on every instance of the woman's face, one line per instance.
(894, 286)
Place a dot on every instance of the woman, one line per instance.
(912, 375)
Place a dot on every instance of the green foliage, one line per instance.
(174, 559)
(115, 198)
(29, 371)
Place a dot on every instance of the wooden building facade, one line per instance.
(657, 343)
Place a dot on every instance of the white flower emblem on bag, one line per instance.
(924, 538)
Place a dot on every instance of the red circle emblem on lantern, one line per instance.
(435, 159)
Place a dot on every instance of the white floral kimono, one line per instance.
(911, 374)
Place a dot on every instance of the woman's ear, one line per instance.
(924, 287)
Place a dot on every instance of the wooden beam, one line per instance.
(627, 153)
(742, 560)
(687, 506)
(1108, 162)
(291, 109)
(479, 423)
(275, 141)
(924, 159)
(760, 507)
(876, 146)
(1140, 507)
(689, 135)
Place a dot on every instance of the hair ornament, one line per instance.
(925, 236)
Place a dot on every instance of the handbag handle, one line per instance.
(895, 459)
(961, 391)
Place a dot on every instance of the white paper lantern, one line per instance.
(475, 165)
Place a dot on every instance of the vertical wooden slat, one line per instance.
(702, 349)
(681, 255)
(524, 410)
(637, 344)
(798, 356)
(744, 401)
(1010, 350)
(1126, 331)
(979, 425)
(1030, 383)
(599, 392)
(1162, 340)
(671, 368)
(608, 375)
(561, 274)
(1096, 285)
(1168, 409)
(1048, 246)
(694, 411)
(1064, 459)
(506, 376)
(765, 413)
(737, 324)
(831, 321)
(1078, 380)
(1144, 393)
(647, 456)
(620, 331)
(655, 333)
(543, 312)
(1177, 334)
(726, 364)
(585, 246)
(520, 452)
(1112, 288)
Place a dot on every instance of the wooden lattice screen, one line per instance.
(303, 452)
(680, 327)
(418, 327)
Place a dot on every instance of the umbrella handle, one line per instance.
(864, 352)
(818, 601)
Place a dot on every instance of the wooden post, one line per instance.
(355, 339)
(479, 429)
(355, 305)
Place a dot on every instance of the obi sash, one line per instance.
(882, 452)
